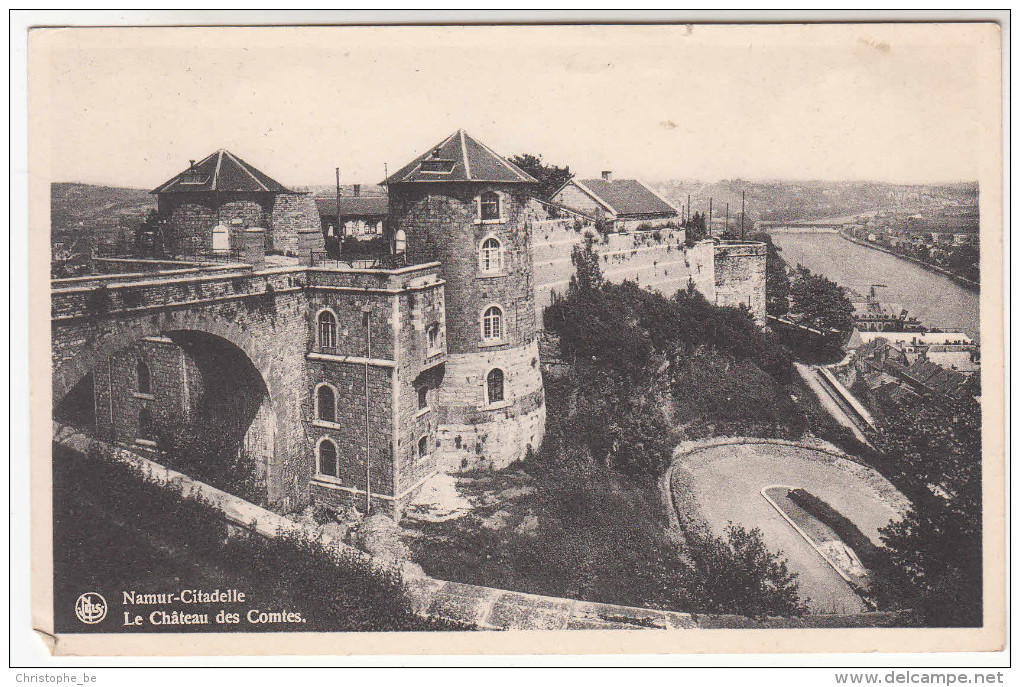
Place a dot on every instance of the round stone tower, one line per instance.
(466, 207)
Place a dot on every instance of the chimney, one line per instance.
(357, 190)
(192, 166)
(607, 175)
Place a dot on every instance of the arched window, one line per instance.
(145, 425)
(494, 386)
(328, 463)
(400, 242)
(423, 447)
(220, 238)
(144, 385)
(491, 255)
(325, 403)
(327, 329)
(492, 324)
(433, 337)
(488, 206)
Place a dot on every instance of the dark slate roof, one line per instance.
(222, 171)
(460, 158)
(353, 206)
(626, 197)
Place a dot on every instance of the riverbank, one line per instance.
(962, 281)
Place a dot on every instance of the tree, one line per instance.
(821, 302)
(695, 229)
(931, 451)
(777, 282)
(550, 177)
(587, 271)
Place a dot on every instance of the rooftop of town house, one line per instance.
(221, 171)
(353, 206)
(460, 158)
(624, 196)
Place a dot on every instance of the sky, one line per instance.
(130, 107)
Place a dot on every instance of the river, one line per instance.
(932, 298)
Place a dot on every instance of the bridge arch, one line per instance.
(277, 363)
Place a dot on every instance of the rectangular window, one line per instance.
(489, 206)
(423, 397)
(433, 337)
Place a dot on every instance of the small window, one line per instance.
(491, 255)
(492, 324)
(325, 403)
(423, 447)
(144, 385)
(437, 166)
(488, 206)
(400, 242)
(145, 429)
(423, 397)
(494, 386)
(327, 330)
(328, 461)
(433, 337)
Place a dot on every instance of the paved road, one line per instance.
(727, 482)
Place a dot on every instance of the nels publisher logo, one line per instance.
(90, 608)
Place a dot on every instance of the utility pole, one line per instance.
(742, 215)
(339, 231)
(366, 312)
(709, 217)
(727, 229)
(688, 207)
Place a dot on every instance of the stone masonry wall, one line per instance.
(192, 216)
(479, 435)
(291, 212)
(740, 277)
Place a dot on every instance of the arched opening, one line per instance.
(220, 238)
(492, 324)
(327, 329)
(490, 256)
(212, 417)
(494, 386)
(325, 403)
(143, 378)
(327, 458)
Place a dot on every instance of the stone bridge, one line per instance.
(237, 330)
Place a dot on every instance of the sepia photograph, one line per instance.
(604, 338)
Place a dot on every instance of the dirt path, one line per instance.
(726, 482)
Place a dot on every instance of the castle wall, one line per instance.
(475, 434)
(192, 216)
(740, 277)
(290, 213)
(441, 223)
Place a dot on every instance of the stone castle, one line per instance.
(342, 383)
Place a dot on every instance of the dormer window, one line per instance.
(193, 176)
(437, 166)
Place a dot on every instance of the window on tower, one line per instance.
(494, 386)
(327, 462)
(327, 329)
(492, 324)
(491, 255)
(488, 206)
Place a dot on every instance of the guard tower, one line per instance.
(467, 207)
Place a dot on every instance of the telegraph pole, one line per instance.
(339, 231)
(742, 215)
(727, 229)
(709, 216)
(688, 207)
(366, 312)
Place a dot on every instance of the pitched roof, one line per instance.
(221, 171)
(460, 158)
(625, 196)
(353, 206)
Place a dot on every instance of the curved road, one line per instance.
(726, 482)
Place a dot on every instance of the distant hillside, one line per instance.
(82, 215)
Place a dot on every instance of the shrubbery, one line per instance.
(114, 530)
